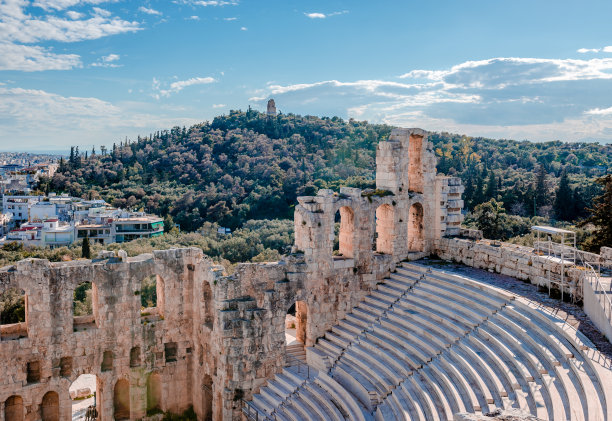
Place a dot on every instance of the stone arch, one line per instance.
(121, 400)
(154, 394)
(385, 225)
(85, 386)
(49, 408)
(13, 409)
(415, 163)
(207, 398)
(416, 236)
(135, 356)
(344, 241)
(296, 319)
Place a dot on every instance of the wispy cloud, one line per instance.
(244, 28)
(31, 58)
(206, 3)
(150, 11)
(230, 19)
(179, 85)
(19, 30)
(533, 98)
(219, 105)
(588, 50)
(319, 15)
(194, 17)
(107, 61)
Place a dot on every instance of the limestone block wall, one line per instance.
(122, 346)
(508, 259)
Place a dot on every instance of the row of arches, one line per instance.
(14, 409)
(345, 226)
(13, 315)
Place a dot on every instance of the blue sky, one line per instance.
(91, 72)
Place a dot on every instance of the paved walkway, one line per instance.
(79, 408)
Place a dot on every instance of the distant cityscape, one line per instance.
(34, 219)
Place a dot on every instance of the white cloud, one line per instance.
(74, 15)
(588, 50)
(150, 11)
(230, 19)
(607, 49)
(193, 18)
(107, 61)
(318, 15)
(534, 98)
(38, 120)
(219, 105)
(179, 85)
(64, 4)
(244, 28)
(31, 58)
(206, 3)
(599, 111)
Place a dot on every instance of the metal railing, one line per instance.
(603, 297)
(302, 367)
(251, 412)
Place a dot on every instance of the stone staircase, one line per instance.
(427, 344)
(296, 351)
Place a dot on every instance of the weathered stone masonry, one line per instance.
(215, 340)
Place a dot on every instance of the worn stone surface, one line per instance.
(213, 340)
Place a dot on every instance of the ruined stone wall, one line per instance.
(120, 343)
(509, 259)
(214, 340)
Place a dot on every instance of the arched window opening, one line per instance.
(295, 323)
(344, 232)
(415, 164)
(107, 361)
(135, 357)
(416, 241)
(13, 409)
(85, 393)
(121, 400)
(207, 398)
(83, 306)
(49, 408)
(384, 229)
(154, 394)
(13, 323)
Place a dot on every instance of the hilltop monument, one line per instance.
(271, 107)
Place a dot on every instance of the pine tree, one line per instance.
(541, 192)
(601, 216)
(85, 249)
(564, 204)
(491, 187)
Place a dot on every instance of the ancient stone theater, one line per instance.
(350, 326)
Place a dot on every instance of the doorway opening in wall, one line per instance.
(85, 393)
(295, 331)
(83, 306)
(415, 228)
(384, 229)
(121, 400)
(13, 324)
(154, 394)
(344, 232)
(14, 409)
(49, 407)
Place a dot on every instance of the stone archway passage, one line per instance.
(416, 240)
(121, 400)
(50, 407)
(13, 409)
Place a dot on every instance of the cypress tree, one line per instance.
(564, 204)
(85, 249)
(541, 192)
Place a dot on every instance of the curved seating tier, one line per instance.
(428, 344)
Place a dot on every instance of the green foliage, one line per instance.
(148, 293)
(188, 415)
(495, 223)
(12, 306)
(82, 304)
(601, 217)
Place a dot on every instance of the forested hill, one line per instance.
(247, 165)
